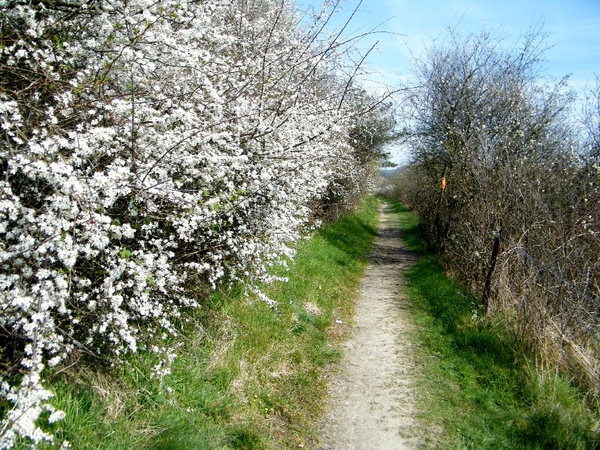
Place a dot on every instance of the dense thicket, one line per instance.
(150, 151)
(518, 218)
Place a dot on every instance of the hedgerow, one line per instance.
(151, 151)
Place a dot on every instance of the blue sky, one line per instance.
(573, 28)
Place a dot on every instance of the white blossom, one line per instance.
(141, 160)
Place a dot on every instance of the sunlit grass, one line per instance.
(247, 377)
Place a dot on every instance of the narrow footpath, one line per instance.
(372, 399)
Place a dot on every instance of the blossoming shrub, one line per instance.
(149, 148)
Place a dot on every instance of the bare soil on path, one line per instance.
(372, 397)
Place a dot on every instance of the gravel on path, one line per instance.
(372, 398)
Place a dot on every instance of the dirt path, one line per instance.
(372, 402)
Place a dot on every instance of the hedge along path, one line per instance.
(372, 404)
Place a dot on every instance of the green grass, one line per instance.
(251, 377)
(410, 227)
(247, 376)
(478, 387)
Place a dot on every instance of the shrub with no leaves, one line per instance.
(505, 140)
